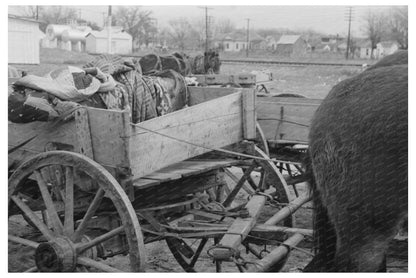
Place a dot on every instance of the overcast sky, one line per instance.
(326, 19)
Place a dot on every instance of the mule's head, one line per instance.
(212, 62)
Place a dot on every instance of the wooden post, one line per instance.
(249, 114)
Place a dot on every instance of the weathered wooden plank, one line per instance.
(109, 136)
(82, 126)
(240, 228)
(286, 119)
(249, 114)
(182, 170)
(202, 94)
(142, 183)
(221, 79)
(169, 139)
(46, 133)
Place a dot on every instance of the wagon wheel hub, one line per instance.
(56, 256)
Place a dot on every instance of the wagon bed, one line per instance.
(158, 171)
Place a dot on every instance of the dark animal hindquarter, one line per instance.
(150, 63)
(359, 153)
(170, 62)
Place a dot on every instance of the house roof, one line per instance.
(24, 18)
(288, 39)
(114, 35)
(239, 36)
(387, 44)
(364, 44)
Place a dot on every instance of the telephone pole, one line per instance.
(109, 30)
(349, 18)
(206, 27)
(248, 36)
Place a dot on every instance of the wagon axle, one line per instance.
(56, 256)
(60, 255)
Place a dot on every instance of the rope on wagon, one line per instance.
(238, 154)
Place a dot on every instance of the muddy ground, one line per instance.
(312, 82)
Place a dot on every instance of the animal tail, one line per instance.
(324, 236)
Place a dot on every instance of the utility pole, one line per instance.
(37, 12)
(109, 30)
(206, 27)
(349, 31)
(248, 36)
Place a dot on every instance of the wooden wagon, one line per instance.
(98, 186)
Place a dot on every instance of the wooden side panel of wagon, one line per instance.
(286, 120)
(177, 136)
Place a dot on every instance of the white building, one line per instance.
(385, 48)
(97, 42)
(365, 49)
(23, 45)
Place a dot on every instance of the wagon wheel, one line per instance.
(67, 241)
(192, 254)
(291, 165)
(261, 140)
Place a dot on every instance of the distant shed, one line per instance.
(97, 42)
(23, 45)
(291, 45)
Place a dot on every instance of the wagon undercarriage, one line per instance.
(211, 196)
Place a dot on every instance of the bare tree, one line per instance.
(375, 28)
(224, 26)
(181, 32)
(28, 11)
(138, 23)
(398, 24)
(56, 15)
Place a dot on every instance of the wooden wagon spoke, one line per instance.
(69, 201)
(299, 168)
(289, 171)
(33, 217)
(96, 264)
(84, 246)
(198, 251)
(32, 269)
(50, 207)
(90, 213)
(23, 241)
(236, 180)
(252, 183)
(238, 186)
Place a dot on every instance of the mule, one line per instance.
(208, 63)
(358, 153)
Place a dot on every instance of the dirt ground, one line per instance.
(312, 82)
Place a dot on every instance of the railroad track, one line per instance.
(241, 61)
(269, 62)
